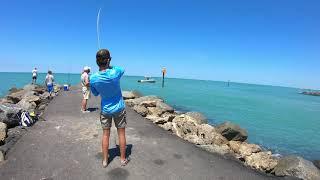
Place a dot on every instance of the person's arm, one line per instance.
(120, 71)
(87, 81)
(93, 90)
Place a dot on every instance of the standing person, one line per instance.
(49, 82)
(106, 83)
(34, 75)
(85, 88)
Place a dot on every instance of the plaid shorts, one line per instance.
(119, 118)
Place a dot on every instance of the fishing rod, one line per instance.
(98, 30)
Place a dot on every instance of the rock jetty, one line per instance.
(311, 93)
(225, 139)
(31, 98)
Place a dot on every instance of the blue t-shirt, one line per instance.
(107, 84)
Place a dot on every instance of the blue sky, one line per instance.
(263, 42)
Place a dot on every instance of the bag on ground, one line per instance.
(26, 119)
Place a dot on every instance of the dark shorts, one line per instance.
(50, 88)
(120, 120)
(34, 77)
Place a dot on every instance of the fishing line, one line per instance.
(98, 30)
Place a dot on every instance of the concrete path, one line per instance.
(67, 146)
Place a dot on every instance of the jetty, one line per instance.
(66, 144)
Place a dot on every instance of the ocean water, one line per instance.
(277, 118)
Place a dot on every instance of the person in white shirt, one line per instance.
(34, 75)
(49, 82)
(85, 88)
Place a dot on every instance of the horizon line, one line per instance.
(282, 86)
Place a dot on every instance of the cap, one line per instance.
(86, 68)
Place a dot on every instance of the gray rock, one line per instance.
(182, 126)
(148, 103)
(137, 101)
(263, 161)
(297, 167)
(9, 114)
(16, 96)
(167, 126)
(317, 163)
(232, 131)
(130, 95)
(30, 87)
(247, 149)
(168, 115)
(26, 105)
(200, 118)
(164, 107)
(32, 98)
(44, 95)
(3, 132)
(14, 89)
(143, 111)
(222, 150)
(1, 156)
(194, 139)
(155, 111)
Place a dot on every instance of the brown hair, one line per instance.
(103, 57)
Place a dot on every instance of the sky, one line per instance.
(274, 42)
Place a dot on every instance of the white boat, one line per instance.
(147, 80)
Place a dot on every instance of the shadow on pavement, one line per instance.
(114, 152)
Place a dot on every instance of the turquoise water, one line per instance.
(278, 118)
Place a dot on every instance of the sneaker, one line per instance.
(85, 111)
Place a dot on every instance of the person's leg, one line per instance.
(105, 146)
(106, 122)
(84, 104)
(120, 121)
(122, 143)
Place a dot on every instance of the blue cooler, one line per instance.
(66, 87)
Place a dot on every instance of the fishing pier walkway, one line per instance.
(67, 146)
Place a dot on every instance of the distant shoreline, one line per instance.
(182, 78)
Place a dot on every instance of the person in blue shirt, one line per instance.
(106, 83)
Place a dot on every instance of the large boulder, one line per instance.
(169, 116)
(182, 125)
(194, 139)
(235, 146)
(200, 118)
(143, 111)
(15, 97)
(148, 103)
(137, 101)
(208, 134)
(30, 87)
(130, 95)
(155, 111)
(297, 167)
(32, 98)
(167, 126)
(9, 114)
(222, 150)
(317, 163)
(157, 119)
(232, 131)
(164, 107)
(204, 130)
(44, 95)
(14, 89)
(3, 132)
(263, 161)
(247, 149)
(26, 105)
